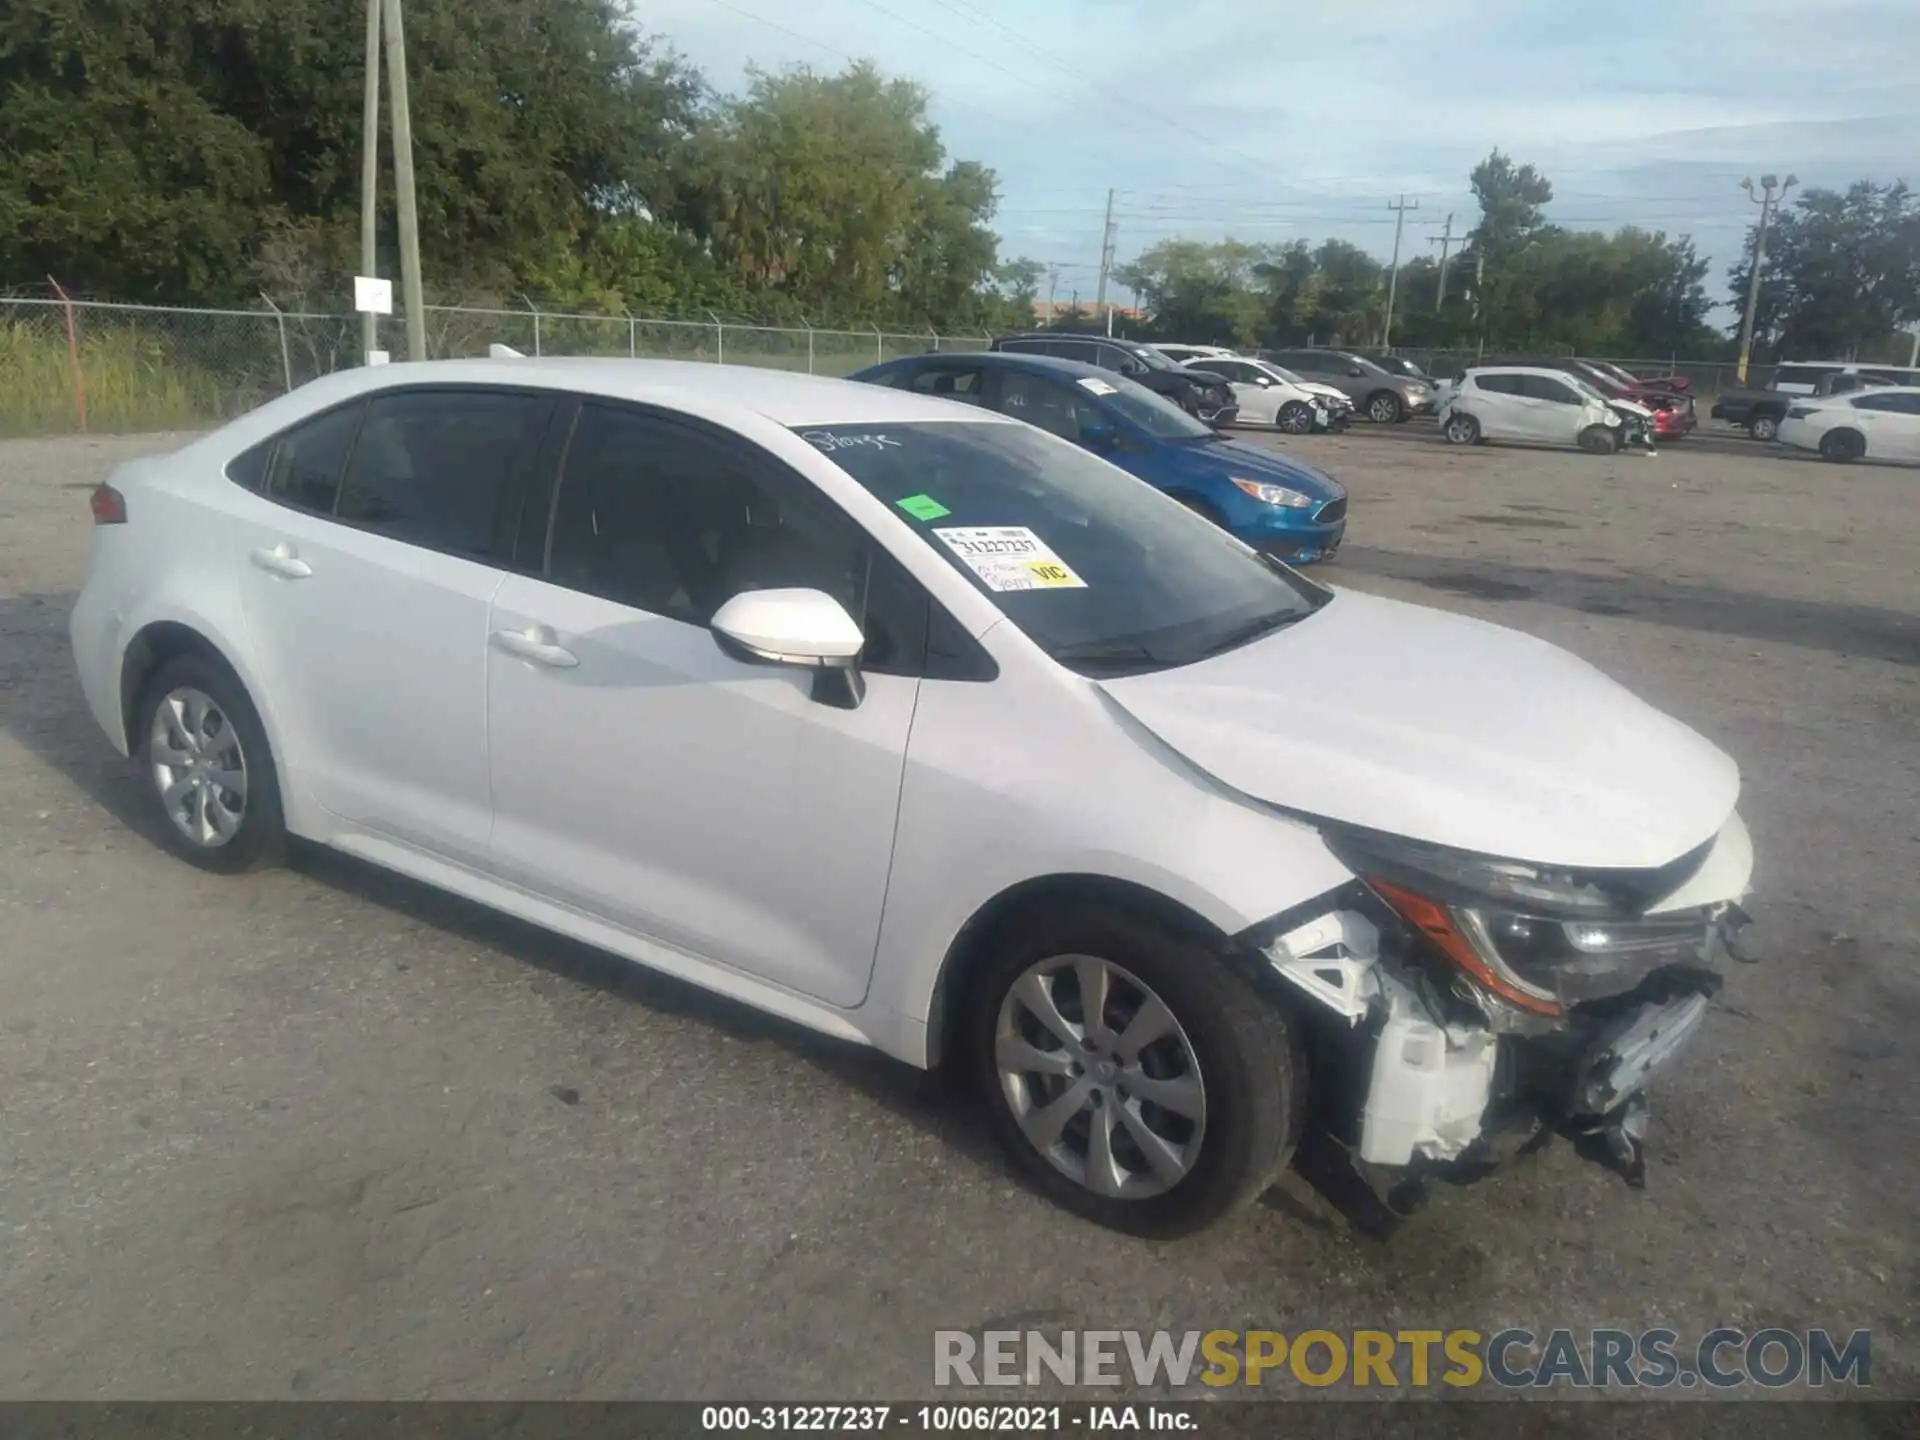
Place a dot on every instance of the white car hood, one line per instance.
(1438, 727)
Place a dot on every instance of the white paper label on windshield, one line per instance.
(1009, 557)
(1097, 386)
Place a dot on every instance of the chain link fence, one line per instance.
(92, 366)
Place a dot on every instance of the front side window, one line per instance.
(443, 468)
(1103, 572)
(671, 519)
(304, 471)
(1541, 387)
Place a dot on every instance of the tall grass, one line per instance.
(132, 383)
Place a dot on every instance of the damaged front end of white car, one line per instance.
(1468, 1007)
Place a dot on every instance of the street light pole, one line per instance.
(403, 183)
(1399, 208)
(1771, 194)
(370, 176)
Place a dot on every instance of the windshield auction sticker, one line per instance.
(1009, 557)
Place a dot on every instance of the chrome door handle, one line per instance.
(281, 561)
(536, 646)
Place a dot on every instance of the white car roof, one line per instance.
(1847, 397)
(1551, 374)
(786, 397)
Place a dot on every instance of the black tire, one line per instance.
(1600, 439)
(1384, 407)
(1295, 418)
(1764, 427)
(1248, 1057)
(1842, 447)
(1461, 429)
(259, 837)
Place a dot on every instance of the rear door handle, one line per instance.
(282, 561)
(536, 644)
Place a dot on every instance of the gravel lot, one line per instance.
(324, 1133)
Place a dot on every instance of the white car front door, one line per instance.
(645, 775)
(1553, 410)
(367, 562)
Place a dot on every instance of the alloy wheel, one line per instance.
(1100, 1076)
(198, 767)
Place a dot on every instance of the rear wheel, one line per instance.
(1386, 408)
(1600, 439)
(1462, 430)
(1842, 446)
(1133, 1077)
(209, 768)
(1295, 418)
(1764, 427)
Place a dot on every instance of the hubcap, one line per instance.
(198, 767)
(1100, 1076)
(1383, 411)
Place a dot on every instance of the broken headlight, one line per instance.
(1536, 937)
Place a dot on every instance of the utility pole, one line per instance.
(403, 182)
(1106, 262)
(370, 175)
(1445, 241)
(1053, 284)
(1399, 208)
(1768, 198)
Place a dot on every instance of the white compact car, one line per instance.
(1267, 397)
(921, 727)
(1547, 407)
(1882, 424)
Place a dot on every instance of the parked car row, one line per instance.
(1541, 405)
(908, 723)
(1205, 396)
(1761, 410)
(1275, 503)
(1666, 402)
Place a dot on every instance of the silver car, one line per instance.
(1383, 398)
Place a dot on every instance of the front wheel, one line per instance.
(1600, 439)
(1842, 446)
(1764, 427)
(1386, 408)
(1462, 430)
(1133, 1077)
(1295, 418)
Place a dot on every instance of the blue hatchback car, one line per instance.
(1283, 507)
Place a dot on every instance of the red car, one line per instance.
(1667, 398)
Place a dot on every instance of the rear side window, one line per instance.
(1498, 384)
(307, 460)
(443, 469)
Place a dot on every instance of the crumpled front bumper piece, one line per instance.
(1632, 1051)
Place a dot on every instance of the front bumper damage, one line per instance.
(1418, 1072)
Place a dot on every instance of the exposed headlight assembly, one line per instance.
(1536, 938)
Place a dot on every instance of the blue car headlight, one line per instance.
(1275, 494)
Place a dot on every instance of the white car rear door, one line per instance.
(367, 564)
(647, 776)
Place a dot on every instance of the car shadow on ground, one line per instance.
(1855, 630)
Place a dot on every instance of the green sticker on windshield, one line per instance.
(923, 507)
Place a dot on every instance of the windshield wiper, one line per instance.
(1104, 655)
(1251, 631)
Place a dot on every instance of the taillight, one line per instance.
(109, 506)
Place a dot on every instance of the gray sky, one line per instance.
(1270, 120)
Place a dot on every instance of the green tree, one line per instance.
(1842, 273)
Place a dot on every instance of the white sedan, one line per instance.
(1269, 396)
(1882, 424)
(916, 725)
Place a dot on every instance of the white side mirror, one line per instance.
(790, 627)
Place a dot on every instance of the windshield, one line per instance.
(1280, 371)
(1585, 387)
(1155, 414)
(1102, 571)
